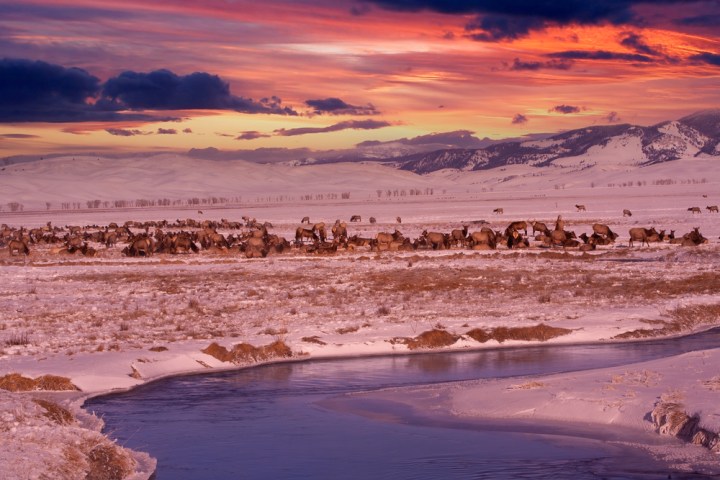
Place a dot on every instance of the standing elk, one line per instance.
(485, 237)
(17, 247)
(580, 208)
(437, 240)
(356, 218)
(641, 234)
(604, 231)
(712, 208)
(305, 220)
(519, 225)
(459, 237)
(302, 233)
(539, 227)
(627, 213)
(398, 220)
(498, 211)
(372, 220)
(694, 210)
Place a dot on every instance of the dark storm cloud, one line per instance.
(251, 135)
(350, 124)
(519, 119)
(336, 106)
(700, 21)
(37, 91)
(560, 64)
(165, 90)
(18, 136)
(601, 55)
(121, 132)
(707, 57)
(511, 19)
(635, 42)
(565, 109)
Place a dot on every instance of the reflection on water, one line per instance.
(268, 422)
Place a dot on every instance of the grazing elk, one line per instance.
(458, 236)
(539, 227)
(302, 233)
(627, 213)
(140, 246)
(17, 247)
(305, 220)
(604, 231)
(436, 240)
(712, 208)
(641, 234)
(516, 226)
(498, 211)
(580, 208)
(356, 218)
(485, 237)
(694, 210)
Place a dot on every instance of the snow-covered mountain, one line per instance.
(641, 146)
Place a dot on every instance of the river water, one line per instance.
(274, 421)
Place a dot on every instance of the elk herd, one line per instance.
(253, 239)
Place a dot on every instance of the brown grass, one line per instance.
(108, 462)
(244, 352)
(682, 319)
(314, 339)
(158, 349)
(540, 332)
(345, 330)
(432, 339)
(14, 382)
(55, 412)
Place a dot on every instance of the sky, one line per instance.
(238, 76)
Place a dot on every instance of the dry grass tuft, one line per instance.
(539, 332)
(158, 349)
(682, 319)
(55, 412)
(107, 462)
(313, 339)
(344, 330)
(432, 339)
(244, 352)
(14, 382)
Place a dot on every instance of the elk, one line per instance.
(386, 238)
(305, 220)
(604, 231)
(356, 218)
(627, 213)
(539, 227)
(458, 236)
(484, 237)
(498, 211)
(517, 226)
(302, 233)
(641, 234)
(399, 220)
(694, 210)
(712, 208)
(580, 208)
(372, 220)
(17, 247)
(437, 240)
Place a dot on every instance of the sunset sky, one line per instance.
(159, 75)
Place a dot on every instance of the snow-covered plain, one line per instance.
(111, 322)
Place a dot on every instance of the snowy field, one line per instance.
(113, 322)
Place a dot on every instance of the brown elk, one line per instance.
(604, 231)
(372, 220)
(398, 220)
(436, 240)
(712, 208)
(17, 247)
(517, 226)
(305, 220)
(580, 208)
(484, 237)
(339, 231)
(627, 213)
(539, 227)
(386, 238)
(320, 229)
(694, 210)
(356, 218)
(498, 211)
(302, 233)
(641, 234)
(140, 246)
(694, 238)
(459, 236)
